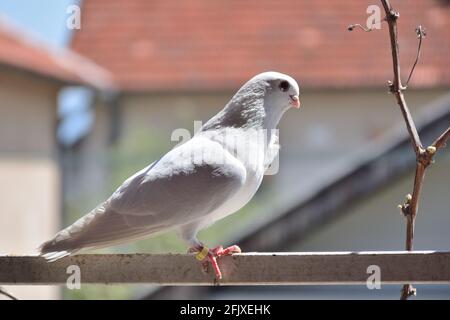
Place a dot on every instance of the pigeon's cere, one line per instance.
(186, 190)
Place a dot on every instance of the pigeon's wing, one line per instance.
(186, 184)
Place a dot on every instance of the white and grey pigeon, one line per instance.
(209, 177)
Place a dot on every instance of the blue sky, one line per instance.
(44, 18)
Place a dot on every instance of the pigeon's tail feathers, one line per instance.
(56, 255)
(100, 228)
(56, 248)
(66, 242)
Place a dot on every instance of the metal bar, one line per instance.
(321, 268)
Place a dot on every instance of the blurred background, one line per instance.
(91, 92)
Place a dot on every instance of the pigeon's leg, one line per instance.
(205, 255)
(202, 252)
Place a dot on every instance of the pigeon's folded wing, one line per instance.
(186, 184)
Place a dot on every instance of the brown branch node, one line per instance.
(426, 156)
(393, 15)
(405, 207)
(408, 291)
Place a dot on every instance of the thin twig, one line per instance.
(441, 141)
(357, 25)
(10, 296)
(360, 26)
(424, 157)
(421, 33)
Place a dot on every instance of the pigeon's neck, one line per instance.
(272, 118)
(245, 110)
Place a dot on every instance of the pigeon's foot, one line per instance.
(206, 256)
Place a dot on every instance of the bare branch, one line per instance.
(410, 126)
(396, 86)
(424, 157)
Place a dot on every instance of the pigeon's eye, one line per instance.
(284, 86)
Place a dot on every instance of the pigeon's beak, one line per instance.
(295, 101)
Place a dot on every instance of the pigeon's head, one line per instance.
(281, 91)
(260, 102)
(263, 99)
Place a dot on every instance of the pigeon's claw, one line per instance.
(205, 255)
(220, 251)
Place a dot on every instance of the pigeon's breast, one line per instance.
(249, 148)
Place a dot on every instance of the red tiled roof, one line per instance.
(203, 44)
(20, 50)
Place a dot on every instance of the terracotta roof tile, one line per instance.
(198, 44)
(20, 50)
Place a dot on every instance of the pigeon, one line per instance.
(197, 183)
